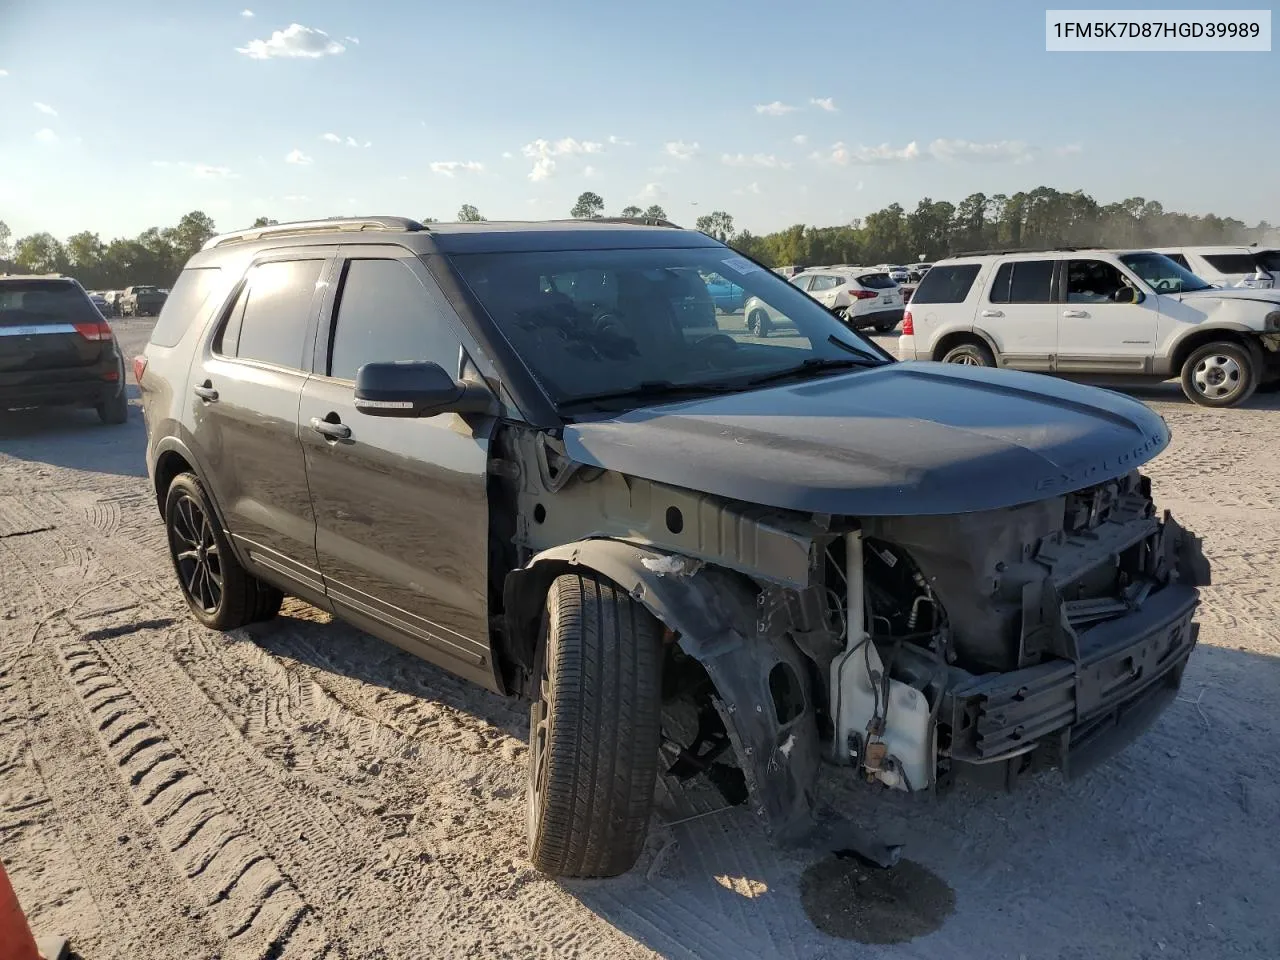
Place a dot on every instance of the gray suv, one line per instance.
(526, 453)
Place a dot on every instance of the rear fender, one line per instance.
(718, 620)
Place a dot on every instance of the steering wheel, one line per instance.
(716, 341)
(610, 323)
(1164, 286)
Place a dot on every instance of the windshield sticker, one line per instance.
(740, 264)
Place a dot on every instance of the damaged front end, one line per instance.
(917, 649)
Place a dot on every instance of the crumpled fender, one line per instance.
(715, 614)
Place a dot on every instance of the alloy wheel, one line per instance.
(1217, 376)
(196, 553)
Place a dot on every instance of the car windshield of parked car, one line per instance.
(42, 301)
(1162, 274)
(594, 323)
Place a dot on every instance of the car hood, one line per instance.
(902, 439)
(1257, 294)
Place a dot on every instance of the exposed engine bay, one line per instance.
(916, 650)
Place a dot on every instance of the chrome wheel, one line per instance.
(965, 360)
(196, 554)
(1217, 376)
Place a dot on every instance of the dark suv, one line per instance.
(57, 350)
(503, 447)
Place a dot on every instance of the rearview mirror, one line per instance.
(416, 389)
(1127, 295)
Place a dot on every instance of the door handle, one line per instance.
(1075, 314)
(206, 392)
(330, 430)
(993, 313)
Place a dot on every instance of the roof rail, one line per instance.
(302, 227)
(999, 253)
(639, 221)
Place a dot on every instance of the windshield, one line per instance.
(588, 323)
(1162, 274)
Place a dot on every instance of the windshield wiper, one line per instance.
(816, 365)
(646, 390)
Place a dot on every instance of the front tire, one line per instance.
(1221, 374)
(594, 730)
(221, 594)
(971, 354)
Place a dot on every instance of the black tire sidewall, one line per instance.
(1240, 354)
(186, 485)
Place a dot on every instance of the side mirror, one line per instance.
(415, 389)
(1128, 295)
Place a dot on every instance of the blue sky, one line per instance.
(123, 115)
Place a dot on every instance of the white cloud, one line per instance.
(775, 109)
(824, 103)
(295, 198)
(843, 155)
(204, 171)
(999, 151)
(297, 157)
(46, 135)
(332, 138)
(544, 152)
(750, 188)
(44, 108)
(755, 160)
(4, 73)
(507, 154)
(947, 151)
(355, 40)
(247, 14)
(681, 150)
(589, 171)
(450, 168)
(619, 142)
(652, 192)
(800, 139)
(161, 163)
(1069, 149)
(293, 41)
(662, 170)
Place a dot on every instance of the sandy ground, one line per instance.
(300, 790)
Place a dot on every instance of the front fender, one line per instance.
(718, 618)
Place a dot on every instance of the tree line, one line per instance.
(1043, 217)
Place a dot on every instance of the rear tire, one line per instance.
(1221, 374)
(221, 594)
(886, 326)
(594, 730)
(970, 354)
(115, 409)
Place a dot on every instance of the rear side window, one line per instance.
(1232, 262)
(270, 318)
(946, 284)
(877, 281)
(28, 302)
(1269, 260)
(384, 314)
(1179, 259)
(1023, 281)
(186, 301)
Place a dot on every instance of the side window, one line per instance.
(1023, 281)
(804, 281)
(1093, 281)
(385, 314)
(1232, 262)
(269, 320)
(1180, 260)
(185, 302)
(947, 284)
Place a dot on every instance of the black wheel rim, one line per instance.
(539, 738)
(196, 555)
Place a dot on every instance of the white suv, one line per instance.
(1230, 266)
(1119, 317)
(862, 297)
